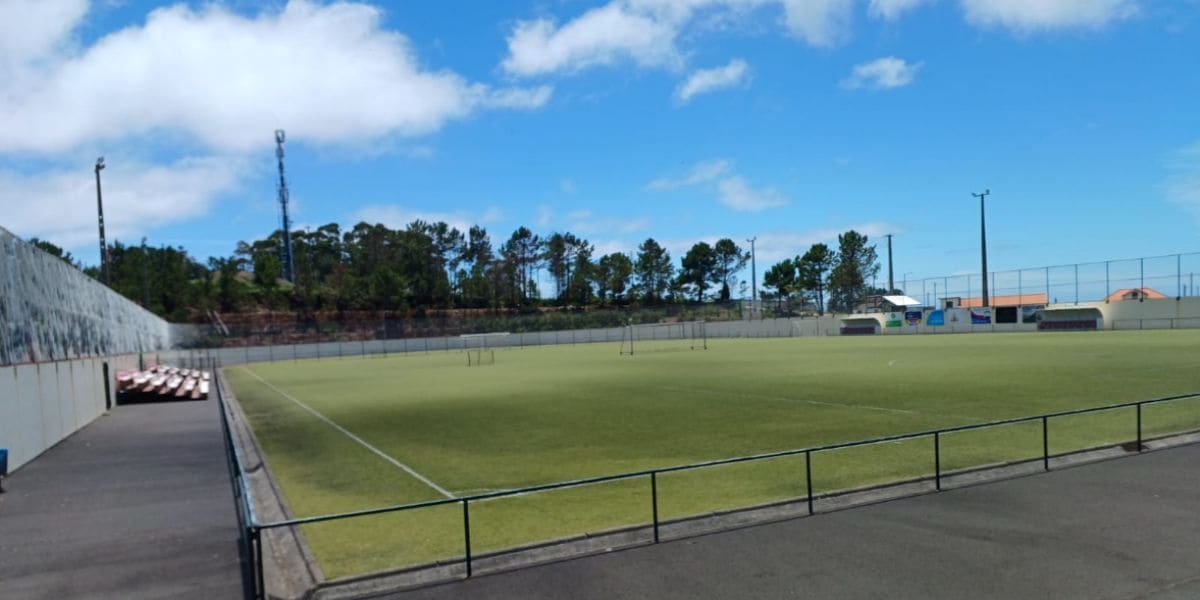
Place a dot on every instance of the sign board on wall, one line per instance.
(893, 320)
(1031, 314)
(912, 317)
(981, 316)
(936, 318)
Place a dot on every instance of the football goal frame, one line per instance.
(480, 348)
(689, 335)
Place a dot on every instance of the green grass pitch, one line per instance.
(545, 414)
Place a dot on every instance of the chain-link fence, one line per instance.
(1170, 276)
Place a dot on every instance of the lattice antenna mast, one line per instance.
(286, 224)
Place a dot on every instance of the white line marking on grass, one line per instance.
(407, 469)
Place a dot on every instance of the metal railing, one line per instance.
(253, 530)
(249, 533)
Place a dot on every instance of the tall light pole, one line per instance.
(983, 243)
(100, 213)
(753, 278)
(891, 282)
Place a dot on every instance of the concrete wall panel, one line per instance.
(29, 433)
(9, 409)
(66, 397)
(47, 400)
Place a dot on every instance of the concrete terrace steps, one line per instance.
(162, 382)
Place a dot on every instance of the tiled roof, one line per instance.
(1005, 300)
(1134, 294)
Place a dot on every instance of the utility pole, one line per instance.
(753, 279)
(983, 243)
(286, 223)
(100, 213)
(891, 282)
(145, 281)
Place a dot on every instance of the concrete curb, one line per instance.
(290, 569)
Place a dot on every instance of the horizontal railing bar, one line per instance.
(711, 463)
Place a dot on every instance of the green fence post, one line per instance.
(654, 502)
(1045, 443)
(467, 535)
(808, 478)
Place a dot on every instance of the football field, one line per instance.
(350, 434)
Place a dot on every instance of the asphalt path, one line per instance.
(135, 505)
(1126, 528)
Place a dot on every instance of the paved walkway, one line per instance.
(135, 505)
(1126, 528)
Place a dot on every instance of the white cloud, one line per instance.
(703, 81)
(1032, 15)
(398, 217)
(891, 10)
(32, 29)
(736, 194)
(645, 32)
(601, 36)
(607, 246)
(60, 205)
(585, 222)
(703, 172)
(884, 73)
(326, 73)
(1183, 181)
(773, 247)
(823, 23)
(545, 216)
(730, 188)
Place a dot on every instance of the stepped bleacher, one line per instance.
(162, 383)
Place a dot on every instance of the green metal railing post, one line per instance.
(1139, 427)
(260, 588)
(808, 478)
(654, 501)
(1045, 443)
(937, 460)
(467, 536)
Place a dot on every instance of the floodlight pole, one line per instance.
(983, 243)
(891, 281)
(100, 218)
(753, 278)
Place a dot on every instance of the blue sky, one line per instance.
(682, 120)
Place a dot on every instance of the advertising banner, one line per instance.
(1031, 314)
(893, 320)
(981, 316)
(913, 317)
(936, 318)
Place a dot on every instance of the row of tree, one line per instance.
(841, 275)
(434, 265)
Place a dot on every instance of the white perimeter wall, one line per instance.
(765, 328)
(43, 403)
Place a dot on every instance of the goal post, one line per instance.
(480, 348)
(480, 356)
(661, 337)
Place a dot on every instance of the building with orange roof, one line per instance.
(1143, 293)
(1034, 299)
